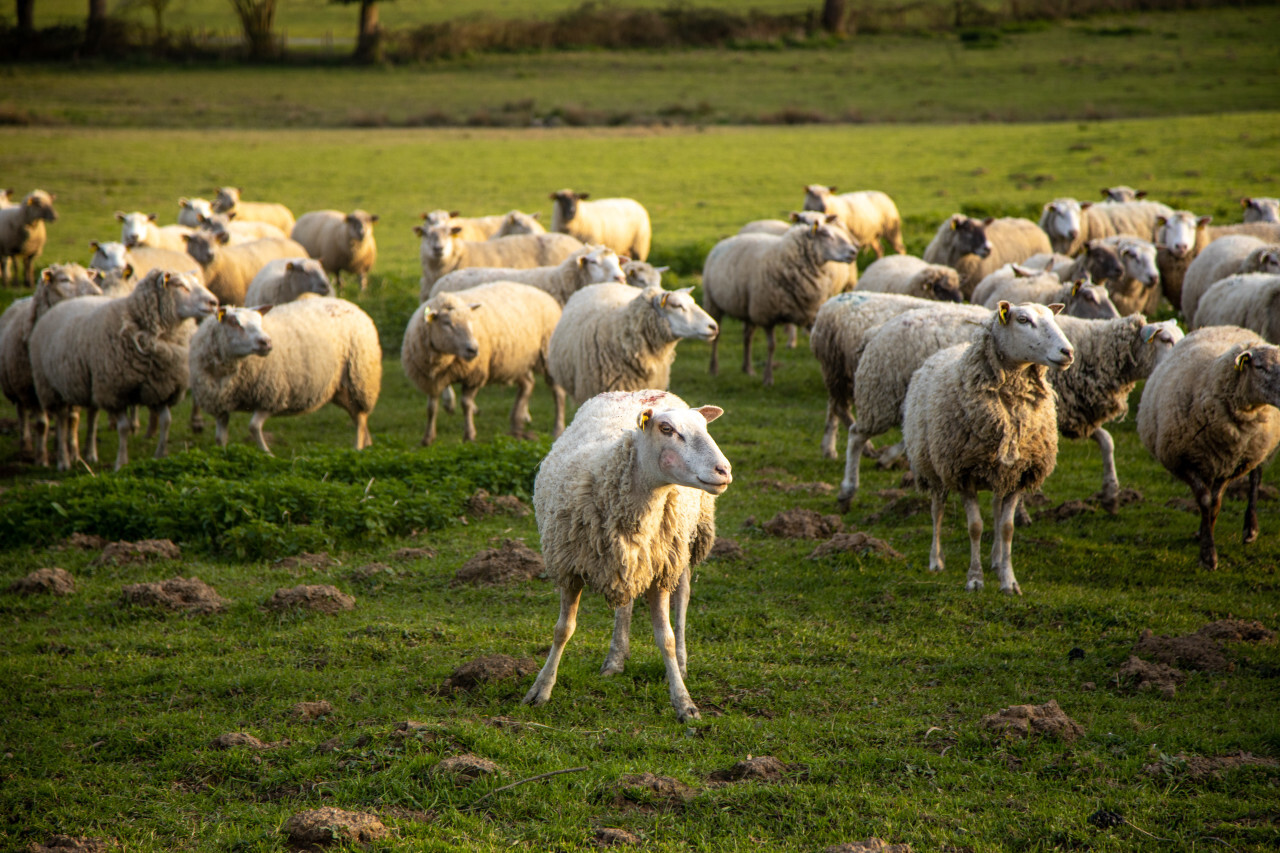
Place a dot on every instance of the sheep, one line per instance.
(23, 235)
(286, 279)
(1261, 209)
(6, 263)
(1226, 256)
(1070, 223)
(982, 416)
(622, 224)
(977, 247)
(867, 215)
(6, 197)
(57, 282)
(1247, 300)
(192, 210)
(473, 229)
(140, 229)
(843, 277)
(228, 201)
(518, 222)
(237, 231)
(290, 361)
(1138, 290)
(1208, 415)
(1013, 282)
(498, 332)
(443, 251)
(110, 354)
(124, 268)
(341, 242)
(913, 277)
(229, 269)
(591, 265)
(613, 337)
(764, 280)
(1182, 236)
(1097, 260)
(1122, 194)
(625, 505)
(643, 274)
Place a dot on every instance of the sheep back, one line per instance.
(1248, 300)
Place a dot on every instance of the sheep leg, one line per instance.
(852, 473)
(520, 410)
(772, 347)
(620, 644)
(1004, 524)
(60, 420)
(255, 430)
(748, 332)
(363, 437)
(123, 428)
(433, 404)
(221, 429)
(40, 442)
(875, 247)
(714, 368)
(135, 423)
(679, 610)
(1209, 499)
(449, 399)
(792, 335)
(1251, 510)
(659, 601)
(540, 692)
(197, 421)
(558, 393)
(973, 513)
(889, 457)
(469, 412)
(938, 504)
(829, 433)
(1110, 482)
(90, 437)
(1021, 517)
(162, 418)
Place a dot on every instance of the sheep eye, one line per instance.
(666, 429)
(1023, 320)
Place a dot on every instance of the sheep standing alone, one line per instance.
(229, 269)
(490, 334)
(913, 277)
(140, 229)
(290, 361)
(1261, 209)
(286, 279)
(622, 224)
(867, 215)
(341, 242)
(443, 251)
(228, 201)
(591, 265)
(613, 337)
(1070, 223)
(975, 248)
(1226, 256)
(764, 280)
(1208, 414)
(23, 235)
(982, 416)
(625, 505)
(1248, 300)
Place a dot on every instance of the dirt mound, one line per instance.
(1125, 497)
(1237, 631)
(311, 710)
(371, 571)
(85, 542)
(793, 488)
(1201, 767)
(514, 562)
(871, 845)
(859, 543)
(405, 555)
(726, 549)
(53, 580)
(190, 594)
(1194, 651)
(1025, 720)
(901, 504)
(607, 836)
(803, 524)
(762, 768)
(70, 844)
(466, 768)
(1137, 674)
(142, 551)
(649, 791)
(487, 670)
(233, 739)
(329, 825)
(315, 562)
(1068, 509)
(322, 598)
(482, 505)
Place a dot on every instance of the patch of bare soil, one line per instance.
(793, 488)
(333, 744)
(53, 581)
(1025, 720)
(803, 524)
(85, 542)
(405, 555)
(142, 551)
(607, 836)
(859, 543)
(487, 670)
(315, 562)
(482, 505)
(514, 562)
(189, 594)
(319, 827)
(1194, 651)
(70, 844)
(649, 792)
(1184, 504)
(1202, 767)
(371, 571)
(761, 768)
(311, 710)
(466, 768)
(1137, 674)
(322, 598)
(411, 728)
(726, 549)
(229, 740)
(900, 504)
(1238, 631)
(871, 845)
(1126, 497)
(1068, 509)
(1238, 490)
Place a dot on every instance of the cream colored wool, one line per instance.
(1070, 224)
(867, 215)
(342, 242)
(286, 279)
(587, 266)
(228, 201)
(912, 276)
(1247, 300)
(218, 224)
(622, 224)
(518, 222)
(229, 269)
(1008, 241)
(1226, 256)
(23, 235)
(843, 277)
(442, 251)
(145, 259)
(191, 210)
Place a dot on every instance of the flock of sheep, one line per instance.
(1005, 335)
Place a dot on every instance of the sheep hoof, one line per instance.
(536, 696)
(689, 713)
(1012, 590)
(611, 668)
(974, 584)
(843, 503)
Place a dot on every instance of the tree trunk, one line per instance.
(833, 16)
(369, 39)
(26, 17)
(257, 17)
(96, 26)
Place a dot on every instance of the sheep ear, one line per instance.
(1203, 221)
(1023, 272)
(623, 259)
(643, 420)
(119, 213)
(455, 230)
(685, 290)
(662, 300)
(128, 271)
(221, 315)
(419, 230)
(955, 223)
(794, 217)
(453, 214)
(710, 412)
(223, 237)
(183, 201)
(1056, 307)
(1149, 333)
(537, 214)
(167, 278)
(582, 260)
(1244, 202)
(263, 309)
(582, 196)
(988, 221)
(1140, 194)
(232, 214)
(1106, 192)
(373, 217)
(552, 196)
(814, 229)
(1085, 205)
(661, 270)
(429, 315)
(151, 217)
(831, 217)
(47, 275)
(186, 238)
(1243, 360)
(1002, 312)
(96, 275)
(95, 245)
(833, 189)
(476, 306)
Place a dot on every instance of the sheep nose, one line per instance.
(1073, 233)
(264, 346)
(1068, 352)
(471, 352)
(724, 471)
(620, 278)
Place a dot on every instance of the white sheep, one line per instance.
(590, 265)
(1248, 300)
(342, 242)
(218, 224)
(1259, 209)
(982, 416)
(642, 274)
(1182, 236)
(228, 201)
(978, 247)
(290, 361)
(473, 229)
(764, 281)
(110, 354)
(124, 268)
(1015, 283)
(6, 197)
(912, 276)
(23, 235)
(192, 210)
(286, 279)
(1096, 260)
(518, 222)
(496, 333)
(613, 337)
(1071, 223)
(228, 269)
(1208, 415)
(1122, 193)
(1138, 290)
(622, 224)
(843, 277)
(443, 250)
(140, 229)
(625, 505)
(1226, 256)
(867, 215)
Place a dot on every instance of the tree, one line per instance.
(833, 16)
(257, 18)
(26, 17)
(369, 36)
(96, 27)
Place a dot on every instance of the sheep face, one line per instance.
(602, 265)
(242, 333)
(191, 298)
(1138, 258)
(1122, 194)
(192, 210)
(360, 225)
(673, 446)
(970, 235)
(816, 197)
(447, 325)
(306, 275)
(226, 199)
(1266, 260)
(566, 202)
(134, 227)
(1028, 334)
(1061, 220)
(939, 284)
(65, 282)
(516, 222)
(216, 224)
(1103, 262)
(437, 239)
(1258, 366)
(39, 206)
(1089, 301)
(832, 241)
(642, 275)
(6, 197)
(683, 316)
(203, 246)
(1261, 209)
(109, 257)
(1162, 337)
(1177, 233)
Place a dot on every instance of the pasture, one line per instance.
(866, 675)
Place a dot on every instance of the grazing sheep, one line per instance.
(911, 276)
(1226, 256)
(867, 215)
(1208, 415)
(23, 235)
(490, 334)
(341, 242)
(982, 416)
(57, 282)
(978, 247)
(228, 201)
(613, 337)
(1070, 223)
(1138, 290)
(192, 210)
(1261, 209)
(1248, 300)
(764, 280)
(1014, 282)
(1097, 260)
(229, 269)
(218, 224)
(625, 505)
(643, 274)
(110, 354)
(443, 251)
(1122, 194)
(286, 279)
(290, 361)
(622, 224)
(590, 265)
(518, 222)
(140, 229)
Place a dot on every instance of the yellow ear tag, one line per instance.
(430, 316)
(222, 314)
(1075, 288)
(1004, 315)
(954, 224)
(643, 419)
(1243, 360)
(663, 301)
(815, 229)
